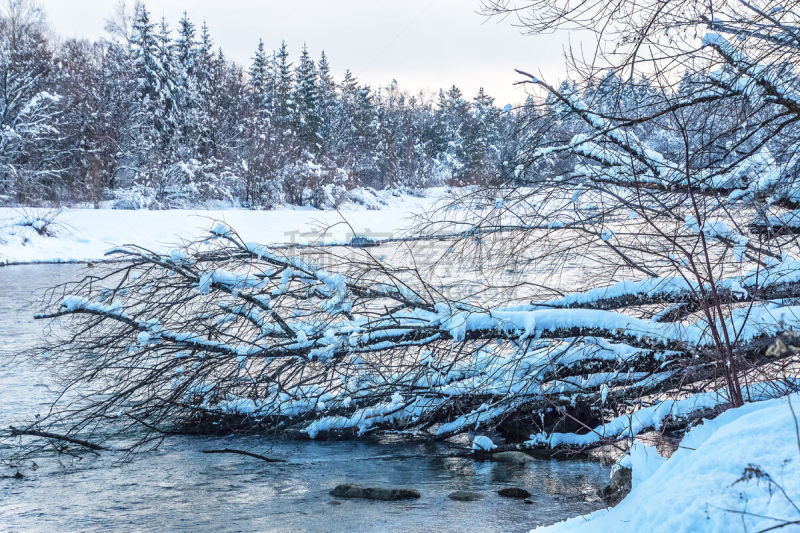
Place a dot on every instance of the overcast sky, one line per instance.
(424, 44)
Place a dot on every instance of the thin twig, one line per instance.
(249, 454)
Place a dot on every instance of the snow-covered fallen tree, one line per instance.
(225, 334)
(638, 289)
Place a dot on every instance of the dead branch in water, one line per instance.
(16, 432)
(248, 454)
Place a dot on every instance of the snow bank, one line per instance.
(738, 472)
(644, 461)
(86, 234)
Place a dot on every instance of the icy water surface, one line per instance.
(180, 488)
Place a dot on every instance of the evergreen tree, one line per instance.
(481, 150)
(327, 100)
(364, 141)
(327, 85)
(349, 88)
(284, 82)
(152, 127)
(452, 124)
(306, 98)
(186, 87)
(186, 47)
(259, 71)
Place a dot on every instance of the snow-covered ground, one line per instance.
(86, 234)
(738, 472)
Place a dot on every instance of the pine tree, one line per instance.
(186, 47)
(186, 88)
(338, 121)
(143, 135)
(306, 98)
(259, 71)
(284, 81)
(167, 68)
(203, 89)
(481, 149)
(153, 117)
(365, 137)
(204, 55)
(327, 85)
(452, 123)
(349, 88)
(144, 48)
(326, 102)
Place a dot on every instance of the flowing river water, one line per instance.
(179, 488)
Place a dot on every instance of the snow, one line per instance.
(776, 272)
(630, 425)
(366, 419)
(644, 461)
(221, 229)
(87, 234)
(737, 472)
(757, 72)
(484, 443)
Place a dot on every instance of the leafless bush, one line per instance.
(43, 221)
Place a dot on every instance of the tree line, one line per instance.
(157, 116)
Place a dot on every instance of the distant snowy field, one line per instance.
(86, 234)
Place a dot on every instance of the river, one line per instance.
(179, 488)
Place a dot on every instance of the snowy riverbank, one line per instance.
(738, 472)
(86, 234)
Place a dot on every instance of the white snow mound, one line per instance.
(703, 486)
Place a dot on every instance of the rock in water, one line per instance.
(465, 496)
(512, 457)
(618, 487)
(514, 492)
(349, 490)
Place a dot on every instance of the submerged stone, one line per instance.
(465, 496)
(519, 458)
(350, 490)
(514, 492)
(618, 487)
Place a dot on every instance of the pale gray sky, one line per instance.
(424, 44)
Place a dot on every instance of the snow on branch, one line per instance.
(655, 416)
(227, 332)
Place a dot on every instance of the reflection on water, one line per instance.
(179, 488)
